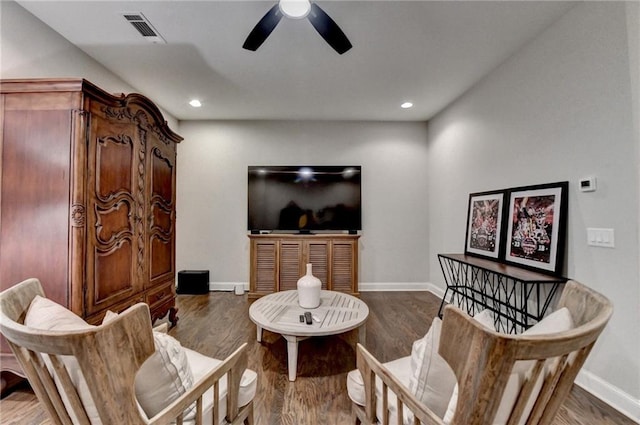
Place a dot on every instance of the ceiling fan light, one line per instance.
(295, 9)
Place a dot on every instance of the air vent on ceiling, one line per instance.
(143, 26)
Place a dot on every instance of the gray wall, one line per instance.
(30, 49)
(560, 109)
(212, 191)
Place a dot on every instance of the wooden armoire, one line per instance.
(87, 202)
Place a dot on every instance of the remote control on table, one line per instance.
(307, 317)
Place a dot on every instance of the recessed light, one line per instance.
(406, 105)
(195, 103)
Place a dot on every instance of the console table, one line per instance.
(518, 297)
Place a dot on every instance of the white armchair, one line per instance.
(472, 375)
(120, 372)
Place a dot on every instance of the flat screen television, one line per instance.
(304, 198)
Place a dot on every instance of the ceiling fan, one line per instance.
(298, 9)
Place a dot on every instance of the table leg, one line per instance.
(259, 333)
(292, 355)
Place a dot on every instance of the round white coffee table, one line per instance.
(280, 313)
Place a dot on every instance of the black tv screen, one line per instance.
(304, 198)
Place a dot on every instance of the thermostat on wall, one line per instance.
(588, 184)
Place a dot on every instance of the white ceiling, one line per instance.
(425, 52)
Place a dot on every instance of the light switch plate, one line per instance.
(601, 237)
(588, 184)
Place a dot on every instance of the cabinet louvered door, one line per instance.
(115, 266)
(344, 266)
(290, 264)
(264, 255)
(318, 255)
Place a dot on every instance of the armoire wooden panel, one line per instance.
(87, 200)
(279, 260)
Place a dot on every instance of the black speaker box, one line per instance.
(193, 282)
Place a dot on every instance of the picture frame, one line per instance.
(536, 225)
(485, 224)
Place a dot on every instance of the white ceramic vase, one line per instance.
(309, 289)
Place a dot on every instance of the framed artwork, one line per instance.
(536, 227)
(484, 224)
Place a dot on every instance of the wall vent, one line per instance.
(143, 26)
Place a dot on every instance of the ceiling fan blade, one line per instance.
(328, 29)
(263, 28)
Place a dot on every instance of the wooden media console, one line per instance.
(277, 261)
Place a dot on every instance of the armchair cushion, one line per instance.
(164, 376)
(200, 366)
(400, 368)
(432, 380)
(44, 314)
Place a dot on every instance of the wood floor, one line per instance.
(215, 324)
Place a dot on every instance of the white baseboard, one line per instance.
(401, 286)
(436, 290)
(227, 286)
(613, 396)
(392, 286)
(363, 287)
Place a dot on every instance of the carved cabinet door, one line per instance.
(160, 224)
(116, 210)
